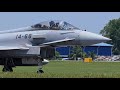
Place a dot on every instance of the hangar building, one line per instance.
(102, 49)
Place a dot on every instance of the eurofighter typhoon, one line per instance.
(32, 44)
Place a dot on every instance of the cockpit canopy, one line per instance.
(54, 25)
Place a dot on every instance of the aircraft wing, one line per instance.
(13, 48)
(57, 42)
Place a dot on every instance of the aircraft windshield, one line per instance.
(54, 25)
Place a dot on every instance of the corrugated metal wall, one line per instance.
(64, 51)
(98, 50)
(90, 49)
(104, 51)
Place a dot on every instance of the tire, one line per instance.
(40, 71)
(10, 69)
(3, 70)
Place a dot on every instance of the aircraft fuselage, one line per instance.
(83, 38)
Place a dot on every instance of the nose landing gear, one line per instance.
(40, 65)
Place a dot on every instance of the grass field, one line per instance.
(67, 69)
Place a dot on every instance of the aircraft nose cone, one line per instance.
(104, 39)
(88, 38)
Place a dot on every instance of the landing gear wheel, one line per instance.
(10, 69)
(8, 64)
(40, 71)
(4, 70)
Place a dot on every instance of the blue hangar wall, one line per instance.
(102, 49)
(64, 51)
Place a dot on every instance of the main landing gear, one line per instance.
(8, 64)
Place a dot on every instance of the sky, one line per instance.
(91, 21)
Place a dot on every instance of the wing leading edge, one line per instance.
(13, 48)
(57, 42)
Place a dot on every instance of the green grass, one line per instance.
(67, 69)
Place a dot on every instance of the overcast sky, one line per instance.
(91, 21)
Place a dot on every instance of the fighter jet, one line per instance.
(30, 45)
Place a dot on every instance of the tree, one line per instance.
(92, 55)
(76, 52)
(57, 55)
(112, 31)
(84, 55)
